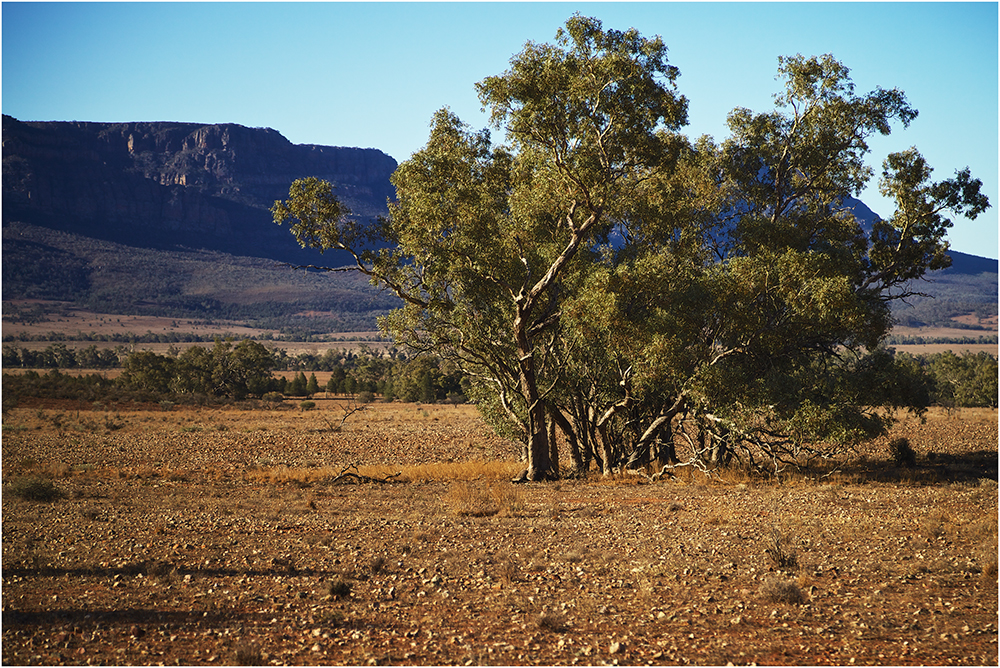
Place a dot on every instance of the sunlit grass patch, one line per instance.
(444, 471)
(484, 500)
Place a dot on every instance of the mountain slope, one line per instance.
(169, 185)
(107, 277)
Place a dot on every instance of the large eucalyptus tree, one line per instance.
(485, 242)
(600, 275)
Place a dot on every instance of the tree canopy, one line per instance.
(648, 297)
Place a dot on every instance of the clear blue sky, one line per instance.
(372, 74)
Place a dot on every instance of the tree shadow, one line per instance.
(163, 568)
(968, 468)
(13, 618)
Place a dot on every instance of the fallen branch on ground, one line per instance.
(346, 475)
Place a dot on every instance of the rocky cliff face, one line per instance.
(175, 184)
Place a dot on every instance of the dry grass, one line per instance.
(777, 589)
(477, 500)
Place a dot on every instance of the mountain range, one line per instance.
(174, 219)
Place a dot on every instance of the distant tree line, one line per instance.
(246, 370)
(900, 340)
(117, 337)
(60, 356)
(183, 337)
(942, 310)
(239, 371)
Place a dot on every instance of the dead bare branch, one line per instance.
(350, 409)
(346, 475)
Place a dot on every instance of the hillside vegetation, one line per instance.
(107, 277)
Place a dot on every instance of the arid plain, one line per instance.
(227, 536)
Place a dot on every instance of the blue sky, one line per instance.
(372, 74)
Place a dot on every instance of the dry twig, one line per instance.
(346, 475)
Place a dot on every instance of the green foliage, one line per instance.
(59, 356)
(312, 386)
(966, 380)
(56, 385)
(307, 405)
(297, 386)
(273, 397)
(225, 370)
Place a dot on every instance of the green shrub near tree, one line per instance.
(957, 381)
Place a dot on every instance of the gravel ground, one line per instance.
(215, 537)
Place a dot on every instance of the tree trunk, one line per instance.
(720, 453)
(553, 446)
(575, 454)
(607, 453)
(668, 449)
(646, 449)
(539, 464)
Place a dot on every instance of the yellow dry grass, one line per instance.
(476, 500)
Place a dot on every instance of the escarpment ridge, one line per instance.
(169, 185)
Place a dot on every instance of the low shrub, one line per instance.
(902, 453)
(782, 590)
(781, 556)
(338, 588)
(552, 621)
(32, 488)
(307, 405)
(248, 655)
(377, 565)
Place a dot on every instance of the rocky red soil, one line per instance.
(215, 537)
